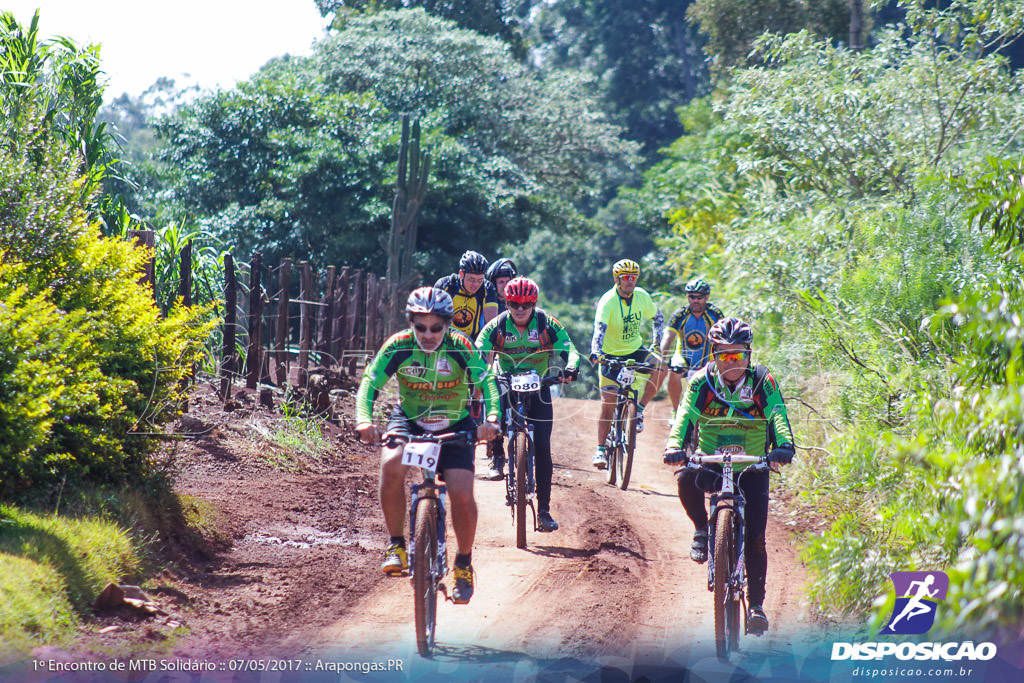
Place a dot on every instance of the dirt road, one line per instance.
(613, 587)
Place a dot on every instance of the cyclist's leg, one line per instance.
(456, 467)
(755, 490)
(656, 377)
(691, 494)
(540, 414)
(391, 488)
(609, 396)
(675, 389)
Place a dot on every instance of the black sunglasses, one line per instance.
(519, 306)
(434, 329)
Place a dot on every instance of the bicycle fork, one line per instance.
(420, 492)
(738, 579)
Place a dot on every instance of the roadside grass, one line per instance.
(51, 568)
(290, 441)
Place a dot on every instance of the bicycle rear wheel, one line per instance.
(626, 453)
(726, 604)
(426, 574)
(520, 449)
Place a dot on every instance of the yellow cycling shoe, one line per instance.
(463, 589)
(395, 560)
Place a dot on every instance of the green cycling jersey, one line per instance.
(528, 349)
(752, 416)
(433, 388)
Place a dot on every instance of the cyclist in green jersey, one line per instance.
(730, 404)
(524, 338)
(618, 334)
(434, 365)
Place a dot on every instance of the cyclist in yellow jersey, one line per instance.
(473, 296)
(618, 333)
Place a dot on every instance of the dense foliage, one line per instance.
(843, 202)
(88, 368)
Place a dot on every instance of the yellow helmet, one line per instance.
(626, 267)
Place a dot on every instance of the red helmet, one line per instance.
(521, 290)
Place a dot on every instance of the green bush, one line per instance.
(88, 368)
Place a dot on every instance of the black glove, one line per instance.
(569, 374)
(782, 455)
(674, 456)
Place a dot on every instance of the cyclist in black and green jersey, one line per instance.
(618, 334)
(434, 365)
(729, 403)
(524, 338)
(686, 338)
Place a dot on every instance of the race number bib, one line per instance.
(626, 376)
(526, 382)
(422, 454)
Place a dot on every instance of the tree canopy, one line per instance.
(301, 159)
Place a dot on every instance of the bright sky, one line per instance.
(215, 42)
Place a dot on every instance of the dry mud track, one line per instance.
(613, 588)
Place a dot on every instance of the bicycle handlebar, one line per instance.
(628, 363)
(467, 437)
(738, 458)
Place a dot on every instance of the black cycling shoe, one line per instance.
(545, 522)
(757, 622)
(699, 547)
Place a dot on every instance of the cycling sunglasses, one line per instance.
(732, 356)
(628, 278)
(696, 296)
(434, 329)
(520, 306)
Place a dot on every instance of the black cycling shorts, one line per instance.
(454, 456)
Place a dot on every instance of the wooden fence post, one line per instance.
(354, 340)
(370, 313)
(253, 357)
(281, 337)
(384, 301)
(326, 317)
(307, 320)
(228, 361)
(147, 239)
(185, 285)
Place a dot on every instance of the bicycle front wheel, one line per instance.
(626, 453)
(726, 604)
(426, 574)
(521, 449)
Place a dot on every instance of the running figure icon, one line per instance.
(915, 606)
(917, 598)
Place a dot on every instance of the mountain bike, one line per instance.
(621, 441)
(520, 483)
(727, 571)
(428, 556)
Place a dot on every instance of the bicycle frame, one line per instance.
(730, 497)
(518, 423)
(619, 433)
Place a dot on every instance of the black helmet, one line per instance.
(730, 331)
(503, 267)
(430, 300)
(473, 262)
(697, 286)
